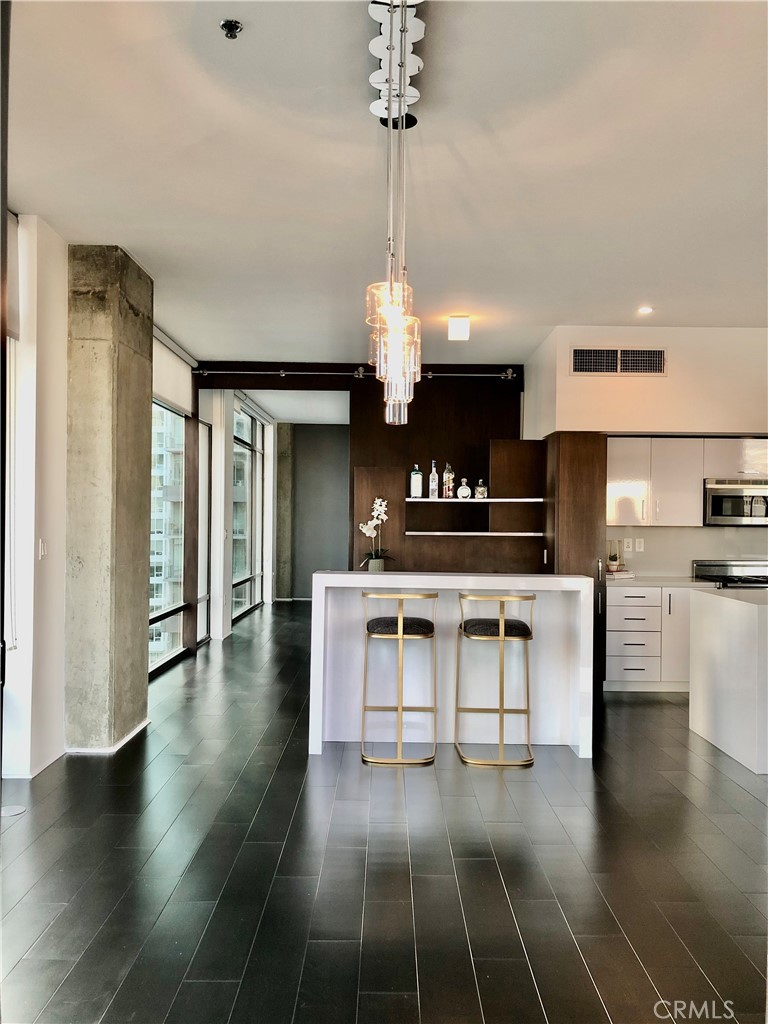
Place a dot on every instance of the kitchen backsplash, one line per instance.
(669, 550)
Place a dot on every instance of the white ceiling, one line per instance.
(572, 162)
(303, 406)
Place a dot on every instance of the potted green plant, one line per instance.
(376, 557)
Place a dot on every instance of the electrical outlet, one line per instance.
(627, 545)
(639, 544)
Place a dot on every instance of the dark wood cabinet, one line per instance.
(575, 521)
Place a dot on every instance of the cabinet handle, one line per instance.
(545, 556)
(634, 618)
(642, 510)
(634, 670)
(657, 509)
(636, 597)
(599, 570)
(669, 608)
(599, 603)
(634, 645)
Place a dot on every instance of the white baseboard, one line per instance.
(113, 749)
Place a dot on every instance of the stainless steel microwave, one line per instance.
(736, 502)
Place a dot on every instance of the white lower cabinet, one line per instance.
(648, 638)
(675, 634)
(633, 640)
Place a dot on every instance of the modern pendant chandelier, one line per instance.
(395, 333)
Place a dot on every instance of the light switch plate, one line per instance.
(639, 544)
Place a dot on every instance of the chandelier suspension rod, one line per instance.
(391, 258)
(401, 140)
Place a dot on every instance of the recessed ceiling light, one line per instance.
(458, 328)
(645, 310)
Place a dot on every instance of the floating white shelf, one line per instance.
(474, 501)
(467, 533)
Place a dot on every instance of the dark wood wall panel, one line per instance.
(451, 419)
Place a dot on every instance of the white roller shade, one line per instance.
(13, 276)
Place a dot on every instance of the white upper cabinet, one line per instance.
(629, 478)
(730, 458)
(677, 481)
(655, 481)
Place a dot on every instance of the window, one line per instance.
(166, 559)
(247, 512)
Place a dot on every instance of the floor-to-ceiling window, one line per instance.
(166, 541)
(247, 512)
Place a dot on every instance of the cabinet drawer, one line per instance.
(633, 595)
(633, 620)
(634, 669)
(635, 645)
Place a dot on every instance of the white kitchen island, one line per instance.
(560, 654)
(729, 673)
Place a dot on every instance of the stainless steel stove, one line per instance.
(742, 573)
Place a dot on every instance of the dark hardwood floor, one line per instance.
(210, 872)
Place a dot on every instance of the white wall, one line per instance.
(34, 693)
(171, 378)
(716, 382)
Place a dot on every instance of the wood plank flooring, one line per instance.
(210, 872)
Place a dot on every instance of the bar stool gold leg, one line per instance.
(523, 635)
(400, 707)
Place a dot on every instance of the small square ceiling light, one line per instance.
(458, 328)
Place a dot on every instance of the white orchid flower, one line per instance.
(367, 529)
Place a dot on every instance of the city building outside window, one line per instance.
(166, 560)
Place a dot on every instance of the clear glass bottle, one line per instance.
(463, 491)
(417, 481)
(448, 481)
(433, 482)
(481, 491)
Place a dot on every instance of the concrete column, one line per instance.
(109, 418)
(221, 411)
(284, 512)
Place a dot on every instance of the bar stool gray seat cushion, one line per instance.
(490, 627)
(412, 625)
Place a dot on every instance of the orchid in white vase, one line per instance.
(373, 529)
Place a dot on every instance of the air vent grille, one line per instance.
(637, 361)
(595, 360)
(642, 360)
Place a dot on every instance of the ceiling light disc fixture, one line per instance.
(380, 11)
(410, 95)
(458, 328)
(379, 78)
(645, 310)
(379, 47)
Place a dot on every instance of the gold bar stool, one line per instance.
(500, 630)
(399, 627)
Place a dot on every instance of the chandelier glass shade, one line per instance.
(395, 335)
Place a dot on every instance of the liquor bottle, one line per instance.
(447, 481)
(481, 491)
(433, 482)
(463, 491)
(417, 481)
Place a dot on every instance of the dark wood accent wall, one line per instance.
(575, 522)
(459, 553)
(452, 419)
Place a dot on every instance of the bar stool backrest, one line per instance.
(401, 599)
(502, 600)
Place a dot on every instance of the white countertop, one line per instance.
(757, 597)
(661, 581)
